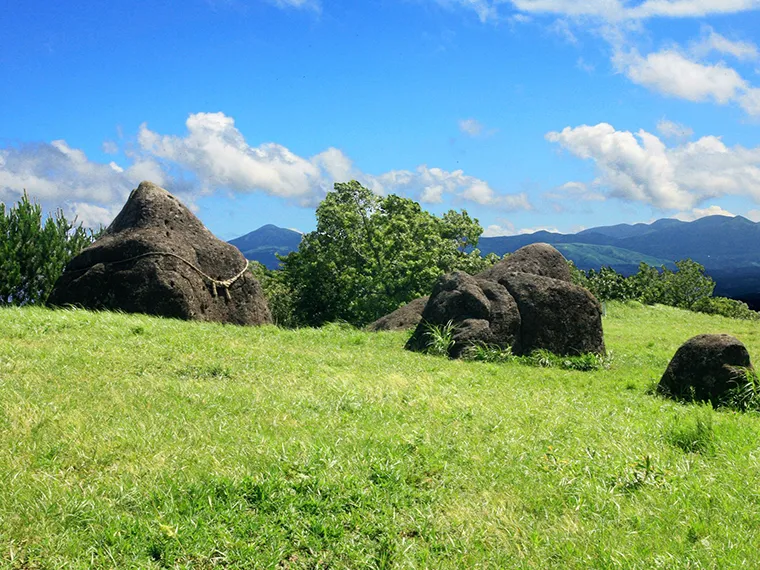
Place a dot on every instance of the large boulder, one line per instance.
(157, 258)
(481, 311)
(404, 318)
(537, 259)
(557, 316)
(705, 368)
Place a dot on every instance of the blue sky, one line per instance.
(556, 114)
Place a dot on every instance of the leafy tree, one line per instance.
(278, 293)
(686, 286)
(683, 288)
(32, 253)
(371, 254)
(609, 285)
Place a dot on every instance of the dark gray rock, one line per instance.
(158, 258)
(480, 310)
(537, 259)
(705, 368)
(560, 317)
(403, 318)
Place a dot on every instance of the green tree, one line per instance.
(371, 254)
(33, 253)
(687, 285)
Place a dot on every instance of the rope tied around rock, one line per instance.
(215, 283)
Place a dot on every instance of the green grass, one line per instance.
(133, 442)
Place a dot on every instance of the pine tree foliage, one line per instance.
(34, 252)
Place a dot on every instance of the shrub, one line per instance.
(34, 253)
(278, 293)
(726, 307)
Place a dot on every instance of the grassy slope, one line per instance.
(128, 441)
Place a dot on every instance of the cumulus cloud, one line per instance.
(672, 130)
(59, 176)
(430, 185)
(672, 73)
(641, 168)
(697, 213)
(214, 155)
(675, 73)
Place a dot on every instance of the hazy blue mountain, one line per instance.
(729, 248)
(625, 261)
(262, 244)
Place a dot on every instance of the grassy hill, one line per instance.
(589, 256)
(134, 442)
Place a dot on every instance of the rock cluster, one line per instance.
(526, 302)
(158, 258)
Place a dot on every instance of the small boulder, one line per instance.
(563, 318)
(481, 311)
(705, 368)
(404, 318)
(157, 258)
(537, 259)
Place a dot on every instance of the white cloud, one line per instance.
(562, 29)
(218, 155)
(714, 42)
(753, 215)
(671, 73)
(639, 167)
(55, 173)
(307, 4)
(690, 8)
(486, 10)
(616, 10)
(697, 213)
(430, 185)
(508, 229)
(672, 130)
(91, 215)
(471, 127)
(575, 191)
(110, 147)
(214, 155)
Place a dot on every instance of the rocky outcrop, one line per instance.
(480, 310)
(404, 318)
(556, 316)
(536, 259)
(705, 368)
(158, 258)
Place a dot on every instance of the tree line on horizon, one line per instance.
(368, 256)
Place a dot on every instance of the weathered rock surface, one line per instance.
(482, 311)
(403, 318)
(537, 259)
(556, 315)
(158, 258)
(705, 368)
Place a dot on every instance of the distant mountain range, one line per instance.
(728, 247)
